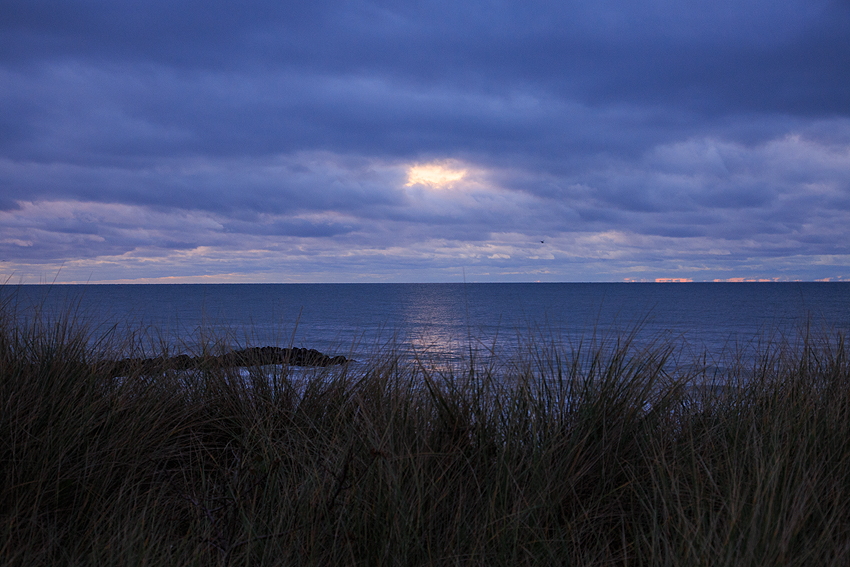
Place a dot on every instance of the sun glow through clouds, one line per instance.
(434, 175)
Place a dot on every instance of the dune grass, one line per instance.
(608, 454)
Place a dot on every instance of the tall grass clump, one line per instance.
(603, 453)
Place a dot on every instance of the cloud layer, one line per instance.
(267, 141)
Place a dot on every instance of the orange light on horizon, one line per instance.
(749, 280)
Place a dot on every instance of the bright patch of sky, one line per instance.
(434, 175)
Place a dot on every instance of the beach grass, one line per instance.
(603, 453)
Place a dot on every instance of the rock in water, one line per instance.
(254, 356)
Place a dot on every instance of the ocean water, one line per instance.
(446, 321)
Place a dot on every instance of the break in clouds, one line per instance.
(418, 141)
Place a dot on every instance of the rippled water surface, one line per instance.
(445, 320)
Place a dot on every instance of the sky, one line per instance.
(424, 141)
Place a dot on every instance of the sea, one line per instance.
(449, 322)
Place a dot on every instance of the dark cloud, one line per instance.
(788, 55)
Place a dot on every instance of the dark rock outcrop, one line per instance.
(255, 356)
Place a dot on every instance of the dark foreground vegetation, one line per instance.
(601, 455)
